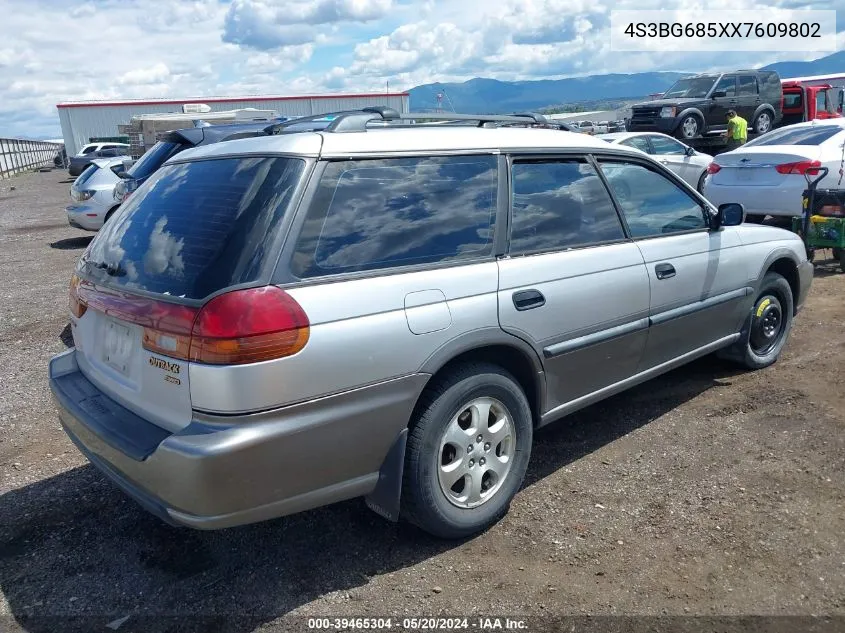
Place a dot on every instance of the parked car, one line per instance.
(766, 175)
(276, 323)
(588, 127)
(178, 141)
(78, 163)
(686, 162)
(96, 147)
(93, 194)
(697, 105)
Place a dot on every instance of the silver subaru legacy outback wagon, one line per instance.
(388, 309)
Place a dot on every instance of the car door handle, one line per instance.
(664, 271)
(528, 299)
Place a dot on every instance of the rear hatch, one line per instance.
(769, 166)
(191, 232)
(83, 179)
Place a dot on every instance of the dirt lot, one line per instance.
(705, 492)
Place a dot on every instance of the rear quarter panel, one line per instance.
(361, 334)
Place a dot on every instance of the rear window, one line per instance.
(153, 159)
(792, 100)
(372, 214)
(85, 176)
(195, 228)
(810, 135)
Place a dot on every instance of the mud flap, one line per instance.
(384, 500)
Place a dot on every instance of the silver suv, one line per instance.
(390, 310)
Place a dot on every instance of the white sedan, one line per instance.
(93, 193)
(683, 160)
(768, 175)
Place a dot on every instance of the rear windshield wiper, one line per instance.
(111, 269)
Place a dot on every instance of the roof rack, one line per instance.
(358, 120)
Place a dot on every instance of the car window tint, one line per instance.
(747, 85)
(88, 150)
(664, 145)
(639, 142)
(821, 101)
(805, 135)
(86, 174)
(198, 227)
(372, 214)
(726, 85)
(560, 205)
(652, 204)
(793, 100)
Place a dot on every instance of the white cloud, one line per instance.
(158, 73)
(268, 24)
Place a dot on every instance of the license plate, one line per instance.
(745, 174)
(117, 346)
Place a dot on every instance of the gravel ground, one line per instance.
(706, 492)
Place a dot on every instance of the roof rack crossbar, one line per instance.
(358, 120)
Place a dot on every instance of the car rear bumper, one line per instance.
(224, 471)
(85, 217)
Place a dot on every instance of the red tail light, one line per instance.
(713, 168)
(77, 307)
(248, 326)
(803, 167)
(239, 327)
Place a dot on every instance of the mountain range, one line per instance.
(477, 95)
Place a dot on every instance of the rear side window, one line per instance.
(154, 158)
(372, 214)
(809, 135)
(559, 205)
(89, 149)
(195, 228)
(747, 85)
(86, 174)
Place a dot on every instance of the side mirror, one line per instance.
(730, 214)
(689, 151)
(718, 94)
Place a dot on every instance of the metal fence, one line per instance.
(17, 155)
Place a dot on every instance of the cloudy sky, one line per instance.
(58, 50)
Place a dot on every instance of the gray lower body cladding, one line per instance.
(224, 471)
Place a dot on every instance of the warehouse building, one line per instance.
(86, 121)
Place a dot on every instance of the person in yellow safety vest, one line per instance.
(737, 132)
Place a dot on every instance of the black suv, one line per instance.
(697, 105)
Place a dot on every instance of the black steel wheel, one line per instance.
(767, 327)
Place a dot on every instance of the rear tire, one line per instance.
(454, 484)
(108, 216)
(767, 327)
(762, 122)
